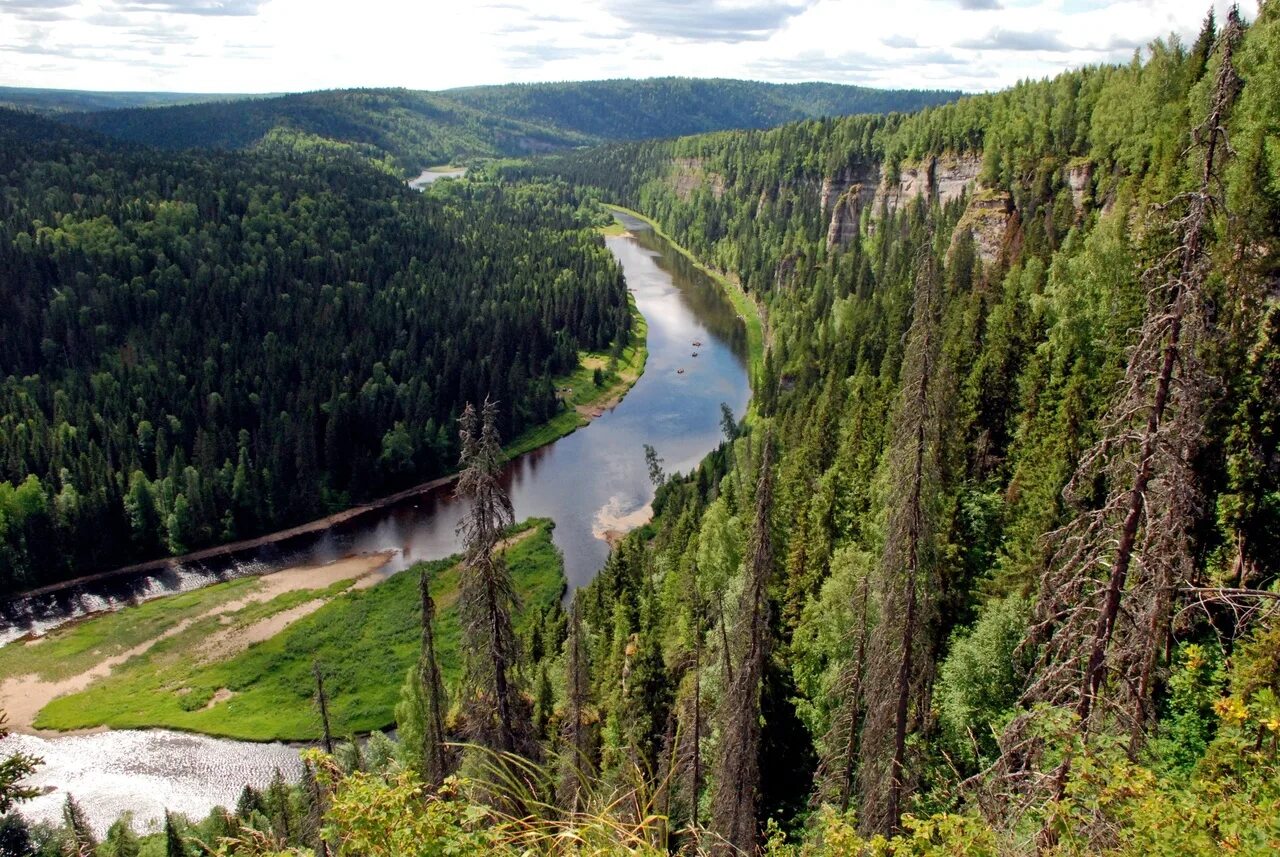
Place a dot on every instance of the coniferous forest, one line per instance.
(200, 347)
(989, 567)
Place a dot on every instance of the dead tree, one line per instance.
(322, 703)
(735, 798)
(492, 706)
(436, 762)
(838, 766)
(899, 661)
(576, 730)
(1120, 567)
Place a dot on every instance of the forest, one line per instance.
(413, 129)
(203, 347)
(988, 568)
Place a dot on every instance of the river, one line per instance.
(590, 482)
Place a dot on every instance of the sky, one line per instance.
(295, 45)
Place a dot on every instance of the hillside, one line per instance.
(993, 564)
(421, 128)
(199, 347)
(674, 107)
(55, 101)
(415, 129)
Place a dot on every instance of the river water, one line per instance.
(591, 482)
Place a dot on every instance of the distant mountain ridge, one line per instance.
(417, 128)
(50, 102)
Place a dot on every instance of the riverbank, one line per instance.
(747, 308)
(586, 402)
(236, 658)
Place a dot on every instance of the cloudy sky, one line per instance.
(289, 45)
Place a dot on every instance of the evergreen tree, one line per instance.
(493, 704)
(898, 665)
(736, 775)
(80, 839)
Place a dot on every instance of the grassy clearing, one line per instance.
(79, 646)
(613, 229)
(365, 640)
(586, 394)
(745, 306)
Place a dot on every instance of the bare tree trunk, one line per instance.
(735, 798)
(322, 702)
(488, 593)
(898, 642)
(1087, 628)
(435, 760)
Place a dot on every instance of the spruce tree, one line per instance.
(736, 796)
(898, 662)
(80, 838)
(493, 704)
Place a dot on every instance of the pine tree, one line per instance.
(736, 795)
(577, 762)
(80, 838)
(121, 841)
(436, 761)
(173, 844)
(493, 702)
(1121, 565)
(898, 663)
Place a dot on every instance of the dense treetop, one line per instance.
(200, 347)
(417, 129)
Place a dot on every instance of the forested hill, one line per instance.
(53, 101)
(999, 544)
(198, 347)
(675, 106)
(417, 129)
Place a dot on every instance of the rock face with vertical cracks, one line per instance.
(987, 218)
(939, 179)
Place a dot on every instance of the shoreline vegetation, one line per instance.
(586, 403)
(234, 660)
(746, 307)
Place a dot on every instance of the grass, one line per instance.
(585, 393)
(365, 640)
(79, 646)
(746, 308)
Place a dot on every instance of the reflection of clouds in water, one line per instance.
(613, 517)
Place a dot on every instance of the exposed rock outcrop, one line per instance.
(940, 180)
(689, 174)
(952, 175)
(847, 213)
(1080, 180)
(987, 218)
(836, 186)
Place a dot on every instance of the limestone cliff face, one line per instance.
(689, 174)
(1080, 180)
(988, 217)
(847, 213)
(940, 179)
(836, 186)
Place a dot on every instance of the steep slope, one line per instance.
(1021, 384)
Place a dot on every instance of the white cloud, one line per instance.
(286, 45)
